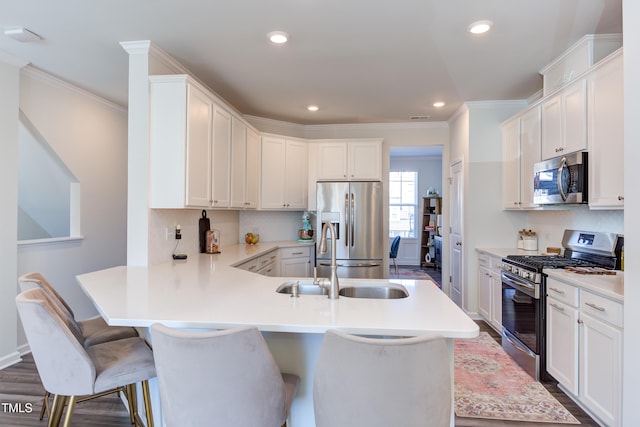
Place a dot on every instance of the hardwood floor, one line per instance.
(20, 384)
(21, 395)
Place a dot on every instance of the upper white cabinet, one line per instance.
(283, 173)
(340, 160)
(190, 148)
(605, 134)
(181, 115)
(564, 121)
(221, 159)
(520, 151)
(245, 164)
(511, 164)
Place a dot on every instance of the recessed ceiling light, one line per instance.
(312, 108)
(438, 104)
(278, 37)
(21, 34)
(480, 27)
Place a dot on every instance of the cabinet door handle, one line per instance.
(592, 305)
(556, 306)
(620, 198)
(580, 322)
(561, 292)
(296, 253)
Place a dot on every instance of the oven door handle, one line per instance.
(520, 286)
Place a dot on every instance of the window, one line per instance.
(403, 203)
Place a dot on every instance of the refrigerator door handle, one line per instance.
(347, 219)
(353, 220)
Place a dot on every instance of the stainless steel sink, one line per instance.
(305, 287)
(364, 290)
(377, 292)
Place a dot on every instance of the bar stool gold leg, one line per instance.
(70, 405)
(129, 390)
(56, 410)
(147, 402)
(45, 405)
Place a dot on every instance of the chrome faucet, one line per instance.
(333, 287)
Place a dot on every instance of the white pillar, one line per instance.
(138, 152)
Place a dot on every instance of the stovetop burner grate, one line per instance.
(538, 262)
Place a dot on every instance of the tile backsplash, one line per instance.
(161, 248)
(271, 225)
(550, 224)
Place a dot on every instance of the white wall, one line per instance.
(9, 102)
(90, 136)
(631, 367)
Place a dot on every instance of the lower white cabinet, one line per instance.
(296, 261)
(490, 290)
(584, 348)
(266, 264)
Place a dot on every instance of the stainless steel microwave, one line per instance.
(561, 180)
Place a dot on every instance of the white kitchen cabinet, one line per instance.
(520, 151)
(252, 176)
(357, 160)
(562, 334)
(584, 348)
(511, 164)
(601, 369)
(564, 121)
(221, 159)
(268, 264)
(181, 117)
(296, 261)
(606, 134)
(283, 173)
(245, 151)
(490, 290)
(190, 145)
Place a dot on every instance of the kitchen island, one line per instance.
(207, 292)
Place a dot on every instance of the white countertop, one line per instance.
(610, 286)
(205, 291)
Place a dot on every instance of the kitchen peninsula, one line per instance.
(207, 292)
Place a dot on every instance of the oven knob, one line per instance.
(506, 267)
(515, 270)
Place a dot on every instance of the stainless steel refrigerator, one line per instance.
(355, 210)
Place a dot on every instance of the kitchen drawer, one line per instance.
(563, 292)
(270, 269)
(251, 265)
(601, 308)
(268, 258)
(295, 252)
(484, 260)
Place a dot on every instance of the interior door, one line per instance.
(455, 239)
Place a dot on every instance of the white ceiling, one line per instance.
(361, 61)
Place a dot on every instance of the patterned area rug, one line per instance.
(489, 384)
(411, 274)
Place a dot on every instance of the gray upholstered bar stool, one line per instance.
(94, 330)
(73, 373)
(220, 378)
(382, 382)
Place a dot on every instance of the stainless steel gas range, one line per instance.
(524, 292)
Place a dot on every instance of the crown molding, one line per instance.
(40, 75)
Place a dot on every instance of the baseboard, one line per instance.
(24, 349)
(10, 359)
